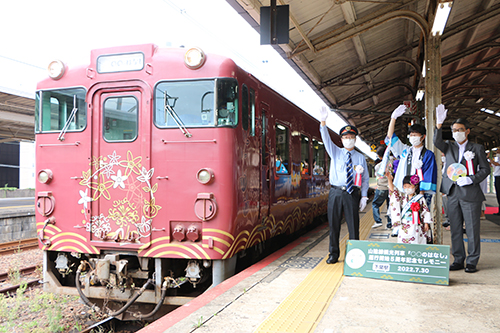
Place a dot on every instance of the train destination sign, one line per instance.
(125, 62)
(421, 263)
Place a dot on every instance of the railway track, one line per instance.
(23, 272)
(23, 244)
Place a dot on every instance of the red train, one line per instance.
(159, 168)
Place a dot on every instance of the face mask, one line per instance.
(348, 143)
(409, 190)
(415, 140)
(459, 136)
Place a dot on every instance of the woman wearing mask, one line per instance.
(414, 159)
(409, 210)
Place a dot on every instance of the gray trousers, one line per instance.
(339, 202)
(460, 211)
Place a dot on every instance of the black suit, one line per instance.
(464, 202)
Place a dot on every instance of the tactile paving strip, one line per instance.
(303, 309)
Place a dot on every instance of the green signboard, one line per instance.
(421, 263)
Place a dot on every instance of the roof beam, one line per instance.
(350, 18)
(17, 118)
(391, 84)
(296, 24)
(369, 67)
(362, 25)
(471, 21)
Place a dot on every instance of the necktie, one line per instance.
(350, 179)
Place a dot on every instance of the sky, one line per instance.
(35, 32)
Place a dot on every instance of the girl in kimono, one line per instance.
(409, 210)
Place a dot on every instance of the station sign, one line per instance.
(420, 263)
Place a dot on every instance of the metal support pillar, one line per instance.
(433, 99)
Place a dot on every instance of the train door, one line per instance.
(121, 177)
(266, 167)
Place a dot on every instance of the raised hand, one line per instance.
(440, 114)
(398, 111)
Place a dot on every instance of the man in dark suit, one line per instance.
(464, 195)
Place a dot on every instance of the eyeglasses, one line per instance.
(454, 130)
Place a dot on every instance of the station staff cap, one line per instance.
(348, 129)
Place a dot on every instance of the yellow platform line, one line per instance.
(303, 309)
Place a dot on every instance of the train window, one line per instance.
(227, 102)
(59, 109)
(252, 112)
(304, 155)
(185, 103)
(120, 118)
(282, 150)
(244, 107)
(264, 151)
(319, 161)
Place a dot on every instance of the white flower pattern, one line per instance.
(84, 198)
(119, 179)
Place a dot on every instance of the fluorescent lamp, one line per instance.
(420, 95)
(442, 14)
(479, 100)
(423, 70)
(488, 111)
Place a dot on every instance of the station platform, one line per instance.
(294, 290)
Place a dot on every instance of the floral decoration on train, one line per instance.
(126, 187)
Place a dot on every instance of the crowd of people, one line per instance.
(407, 182)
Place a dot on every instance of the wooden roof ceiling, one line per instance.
(364, 58)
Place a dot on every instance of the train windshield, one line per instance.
(56, 110)
(193, 103)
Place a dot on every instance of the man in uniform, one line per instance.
(345, 197)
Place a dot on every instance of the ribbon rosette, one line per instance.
(468, 155)
(418, 167)
(415, 207)
(359, 170)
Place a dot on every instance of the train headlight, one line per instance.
(45, 176)
(56, 69)
(194, 58)
(205, 176)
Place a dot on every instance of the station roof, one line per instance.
(365, 57)
(17, 117)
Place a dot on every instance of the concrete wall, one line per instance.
(17, 193)
(17, 225)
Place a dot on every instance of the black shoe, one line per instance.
(470, 268)
(496, 213)
(463, 231)
(446, 224)
(331, 259)
(456, 266)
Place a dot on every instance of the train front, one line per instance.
(136, 165)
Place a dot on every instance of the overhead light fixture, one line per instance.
(420, 94)
(442, 14)
(487, 111)
(479, 100)
(423, 70)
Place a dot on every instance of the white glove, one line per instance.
(464, 181)
(398, 112)
(323, 113)
(362, 203)
(440, 113)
